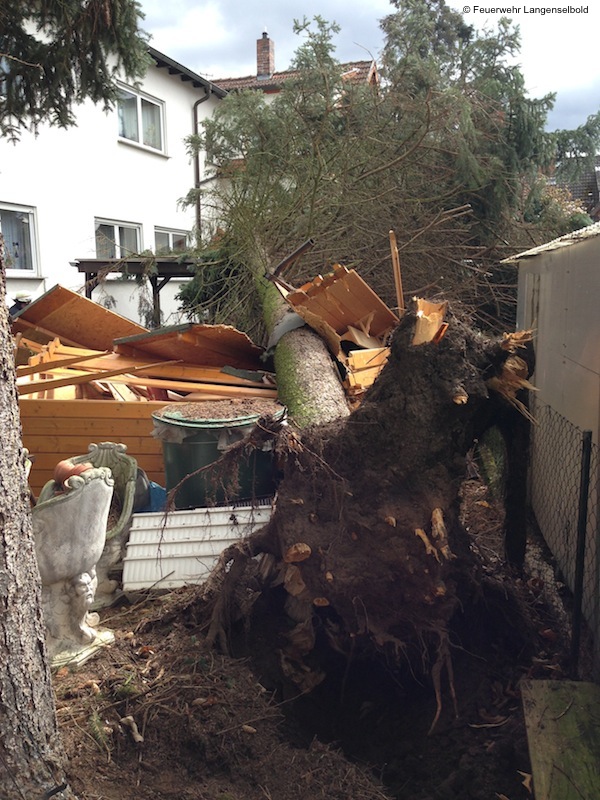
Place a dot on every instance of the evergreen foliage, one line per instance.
(207, 298)
(56, 53)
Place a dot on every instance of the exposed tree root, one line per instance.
(444, 659)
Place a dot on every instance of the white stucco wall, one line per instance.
(70, 177)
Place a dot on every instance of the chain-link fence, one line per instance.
(564, 497)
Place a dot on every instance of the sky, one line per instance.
(217, 39)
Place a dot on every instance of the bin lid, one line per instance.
(218, 413)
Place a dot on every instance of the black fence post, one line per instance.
(584, 487)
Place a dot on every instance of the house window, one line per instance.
(117, 239)
(140, 119)
(17, 225)
(169, 241)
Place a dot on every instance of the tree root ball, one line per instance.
(371, 502)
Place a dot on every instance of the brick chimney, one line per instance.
(265, 57)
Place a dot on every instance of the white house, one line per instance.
(106, 188)
(110, 187)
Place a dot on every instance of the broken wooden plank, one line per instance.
(208, 389)
(166, 369)
(360, 338)
(563, 731)
(320, 326)
(120, 376)
(201, 345)
(320, 302)
(384, 318)
(72, 317)
(365, 365)
(76, 377)
(48, 366)
(21, 326)
(347, 300)
(351, 302)
(121, 391)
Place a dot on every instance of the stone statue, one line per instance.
(124, 470)
(69, 528)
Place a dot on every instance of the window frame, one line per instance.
(171, 232)
(31, 212)
(139, 142)
(116, 224)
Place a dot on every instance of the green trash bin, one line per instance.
(194, 435)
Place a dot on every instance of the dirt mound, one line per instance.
(208, 728)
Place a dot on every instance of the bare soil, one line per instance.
(230, 409)
(216, 727)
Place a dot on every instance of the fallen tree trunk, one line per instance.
(308, 383)
(365, 543)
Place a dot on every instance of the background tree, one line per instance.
(449, 151)
(53, 54)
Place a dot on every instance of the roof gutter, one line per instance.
(197, 81)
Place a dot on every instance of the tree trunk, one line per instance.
(31, 761)
(308, 383)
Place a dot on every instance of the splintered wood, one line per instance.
(430, 326)
(342, 299)
(351, 318)
(55, 370)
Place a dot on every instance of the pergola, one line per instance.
(158, 271)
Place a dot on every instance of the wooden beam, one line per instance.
(397, 273)
(165, 369)
(22, 326)
(77, 377)
(563, 731)
(215, 390)
(48, 366)
(212, 389)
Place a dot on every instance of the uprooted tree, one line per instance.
(365, 539)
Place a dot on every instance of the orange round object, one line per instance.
(64, 469)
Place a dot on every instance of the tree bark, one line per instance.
(307, 380)
(31, 756)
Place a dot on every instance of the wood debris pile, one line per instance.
(87, 374)
(351, 318)
(77, 350)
